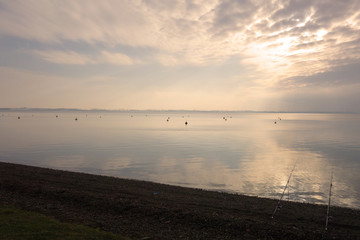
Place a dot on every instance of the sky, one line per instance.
(259, 55)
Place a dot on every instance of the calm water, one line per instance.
(247, 153)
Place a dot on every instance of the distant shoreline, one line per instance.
(158, 111)
(141, 209)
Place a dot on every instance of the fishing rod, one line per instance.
(278, 206)
(328, 218)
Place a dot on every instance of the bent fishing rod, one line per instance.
(278, 206)
(328, 218)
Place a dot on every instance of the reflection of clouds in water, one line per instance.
(309, 183)
(346, 188)
(264, 174)
(263, 170)
(114, 164)
(68, 162)
(246, 154)
(194, 171)
(270, 173)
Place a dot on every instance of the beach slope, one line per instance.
(146, 210)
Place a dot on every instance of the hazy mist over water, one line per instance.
(238, 152)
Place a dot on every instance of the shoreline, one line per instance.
(147, 210)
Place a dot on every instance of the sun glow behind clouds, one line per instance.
(278, 53)
(275, 49)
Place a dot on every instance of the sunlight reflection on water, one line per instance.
(246, 153)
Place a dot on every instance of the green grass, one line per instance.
(19, 224)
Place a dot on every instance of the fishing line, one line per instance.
(328, 218)
(278, 206)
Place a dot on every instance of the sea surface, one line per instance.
(256, 154)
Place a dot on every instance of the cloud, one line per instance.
(291, 39)
(192, 32)
(329, 99)
(61, 57)
(115, 58)
(342, 75)
(73, 58)
(110, 22)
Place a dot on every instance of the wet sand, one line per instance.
(146, 210)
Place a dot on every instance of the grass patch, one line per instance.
(19, 224)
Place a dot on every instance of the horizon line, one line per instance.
(9, 109)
